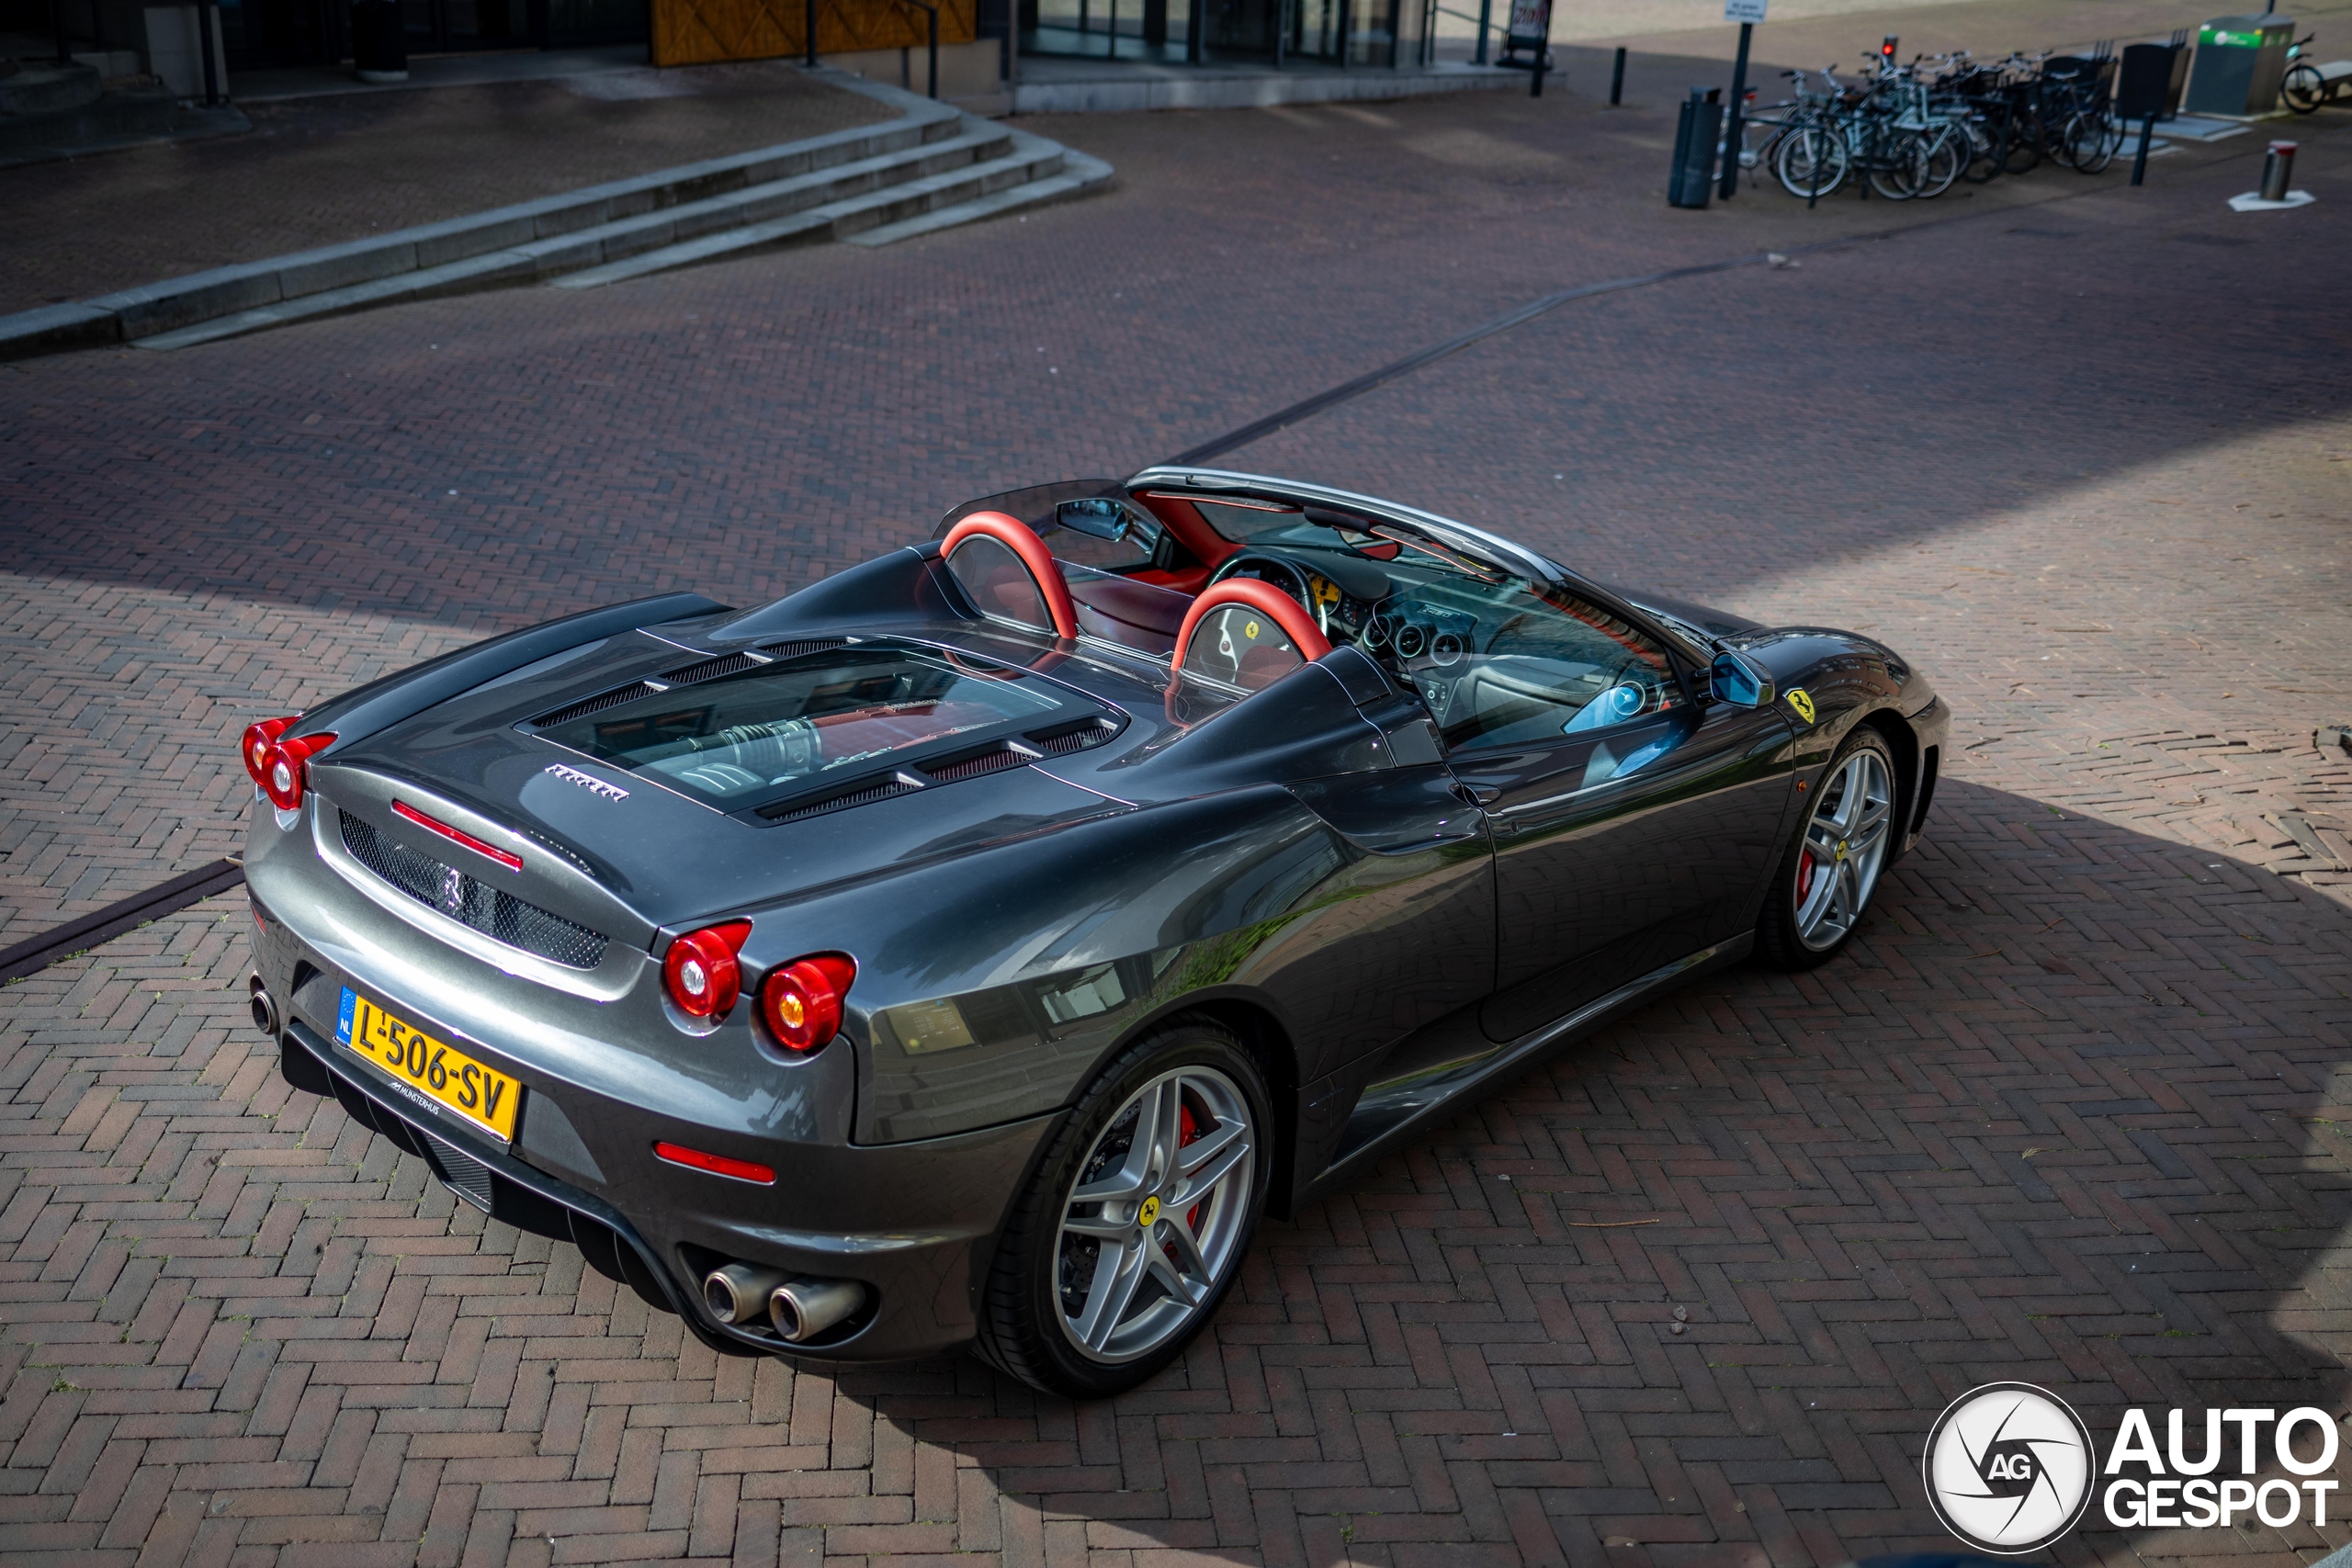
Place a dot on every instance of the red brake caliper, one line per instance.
(1189, 1131)
(1804, 875)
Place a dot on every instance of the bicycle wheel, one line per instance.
(1812, 161)
(2304, 89)
(1945, 156)
(1898, 164)
(2022, 151)
(1984, 151)
(2091, 140)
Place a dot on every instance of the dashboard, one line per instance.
(1475, 678)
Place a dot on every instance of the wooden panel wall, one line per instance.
(698, 32)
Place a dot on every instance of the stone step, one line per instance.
(1031, 159)
(1080, 173)
(282, 282)
(810, 205)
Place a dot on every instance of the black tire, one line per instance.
(2025, 139)
(1794, 930)
(2304, 88)
(1026, 1329)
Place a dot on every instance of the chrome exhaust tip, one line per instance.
(802, 1309)
(738, 1293)
(264, 1008)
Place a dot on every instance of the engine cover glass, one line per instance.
(745, 738)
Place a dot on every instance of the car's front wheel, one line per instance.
(1134, 1224)
(1827, 879)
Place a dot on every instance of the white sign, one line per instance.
(1530, 18)
(1743, 10)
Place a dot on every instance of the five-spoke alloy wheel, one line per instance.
(1136, 1219)
(1826, 882)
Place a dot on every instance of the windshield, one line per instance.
(1499, 658)
(777, 728)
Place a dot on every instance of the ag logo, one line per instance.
(2008, 1468)
(1801, 701)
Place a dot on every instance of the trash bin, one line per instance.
(379, 42)
(2240, 62)
(2146, 82)
(1695, 136)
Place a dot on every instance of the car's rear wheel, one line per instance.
(1136, 1219)
(1825, 881)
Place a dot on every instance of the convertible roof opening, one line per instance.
(766, 738)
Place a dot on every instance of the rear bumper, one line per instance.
(946, 1195)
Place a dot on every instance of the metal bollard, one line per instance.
(1617, 81)
(1694, 148)
(2277, 168)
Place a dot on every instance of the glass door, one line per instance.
(460, 27)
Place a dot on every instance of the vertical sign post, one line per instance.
(1530, 26)
(1746, 13)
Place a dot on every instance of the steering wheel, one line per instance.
(1284, 575)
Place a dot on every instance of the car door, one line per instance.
(1633, 821)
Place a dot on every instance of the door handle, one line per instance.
(1480, 795)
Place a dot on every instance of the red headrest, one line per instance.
(1273, 602)
(1022, 541)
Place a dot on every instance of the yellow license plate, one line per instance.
(433, 1068)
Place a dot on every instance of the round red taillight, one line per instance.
(802, 1001)
(284, 769)
(700, 972)
(259, 737)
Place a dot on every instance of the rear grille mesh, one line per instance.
(807, 645)
(792, 811)
(726, 664)
(597, 704)
(988, 762)
(471, 902)
(1074, 738)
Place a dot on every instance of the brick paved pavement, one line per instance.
(2072, 1110)
(320, 171)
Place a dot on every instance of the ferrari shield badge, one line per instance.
(1801, 701)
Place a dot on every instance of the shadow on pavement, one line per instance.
(2066, 1114)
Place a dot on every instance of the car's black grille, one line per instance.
(858, 795)
(596, 703)
(1066, 737)
(470, 901)
(971, 766)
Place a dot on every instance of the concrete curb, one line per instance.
(181, 303)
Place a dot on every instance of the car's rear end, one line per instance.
(463, 918)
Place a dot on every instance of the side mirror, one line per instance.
(1741, 682)
(1097, 515)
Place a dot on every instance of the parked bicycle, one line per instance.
(1910, 133)
(2306, 85)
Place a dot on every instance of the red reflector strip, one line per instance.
(511, 861)
(717, 1165)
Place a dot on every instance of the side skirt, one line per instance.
(1394, 1111)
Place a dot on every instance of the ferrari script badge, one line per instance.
(1801, 703)
(588, 781)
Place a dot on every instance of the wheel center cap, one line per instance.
(1841, 849)
(1149, 1215)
